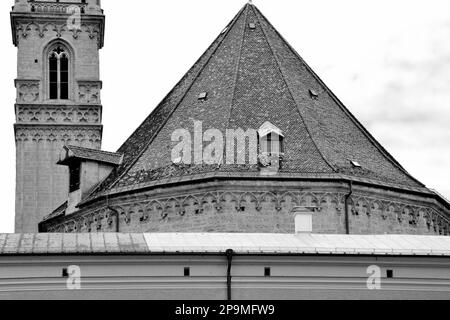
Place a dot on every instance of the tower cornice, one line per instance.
(22, 22)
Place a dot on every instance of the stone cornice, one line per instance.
(64, 133)
(22, 21)
(26, 126)
(280, 176)
(58, 115)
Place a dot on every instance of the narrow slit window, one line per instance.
(64, 78)
(53, 77)
(74, 178)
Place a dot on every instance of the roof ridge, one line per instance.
(238, 64)
(290, 92)
(372, 139)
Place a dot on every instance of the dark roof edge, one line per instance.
(240, 176)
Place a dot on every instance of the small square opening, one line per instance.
(187, 272)
(355, 164)
(390, 274)
(313, 94)
(267, 272)
(65, 273)
(203, 96)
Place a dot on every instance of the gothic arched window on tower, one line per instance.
(59, 74)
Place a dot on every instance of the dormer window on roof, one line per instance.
(355, 164)
(313, 94)
(252, 25)
(87, 167)
(271, 139)
(203, 96)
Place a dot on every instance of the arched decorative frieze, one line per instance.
(191, 205)
(75, 135)
(270, 201)
(338, 200)
(58, 114)
(172, 208)
(28, 29)
(246, 199)
(56, 7)
(125, 213)
(309, 199)
(411, 214)
(377, 209)
(324, 200)
(227, 200)
(402, 213)
(92, 30)
(399, 217)
(209, 201)
(289, 200)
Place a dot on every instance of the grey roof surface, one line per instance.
(252, 75)
(218, 243)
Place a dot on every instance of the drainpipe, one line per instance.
(229, 254)
(347, 215)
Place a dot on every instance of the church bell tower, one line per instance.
(58, 97)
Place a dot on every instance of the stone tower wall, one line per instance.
(43, 125)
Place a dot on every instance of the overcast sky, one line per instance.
(387, 60)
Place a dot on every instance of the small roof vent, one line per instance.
(203, 96)
(252, 25)
(355, 164)
(313, 94)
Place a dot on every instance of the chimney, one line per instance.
(303, 219)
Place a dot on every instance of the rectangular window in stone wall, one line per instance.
(74, 183)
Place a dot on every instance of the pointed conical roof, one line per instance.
(252, 75)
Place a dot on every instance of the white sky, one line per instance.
(387, 60)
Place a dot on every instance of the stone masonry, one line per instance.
(43, 125)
